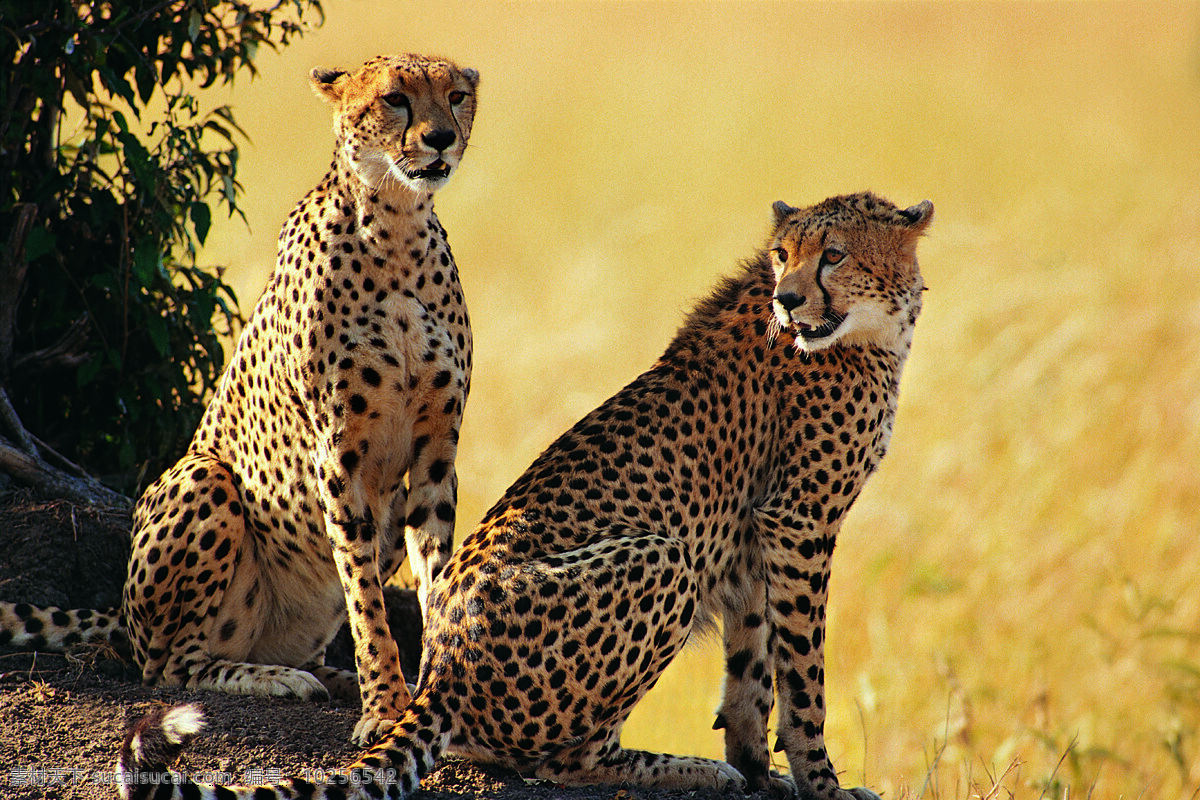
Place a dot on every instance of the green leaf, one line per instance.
(229, 191)
(106, 281)
(147, 262)
(152, 389)
(125, 456)
(39, 242)
(117, 85)
(218, 129)
(146, 81)
(226, 113)
(194, 20)
(157, 327)
(139, 160)
(88, 372)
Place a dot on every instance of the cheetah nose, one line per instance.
(440, 139)
(789, 300)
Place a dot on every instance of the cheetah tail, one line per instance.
(394, 767)
(56, 629)
(151, 745)
(407, 753)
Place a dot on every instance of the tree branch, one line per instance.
(49, 481)
(25, 463)
(67, 352)
(12, 424)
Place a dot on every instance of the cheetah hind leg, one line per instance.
(651, 577)
(263, 680)
(189, 598)
(603, 760)
(235, 664)
(340, 683)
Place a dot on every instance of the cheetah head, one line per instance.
(403, 119)
(846, 270)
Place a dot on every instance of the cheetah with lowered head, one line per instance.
(713, 485)
(331, 440)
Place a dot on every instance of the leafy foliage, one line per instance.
(101, 127)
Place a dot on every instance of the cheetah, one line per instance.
(712, 486)
(332, 435)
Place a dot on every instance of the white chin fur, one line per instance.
(418, 185)
(812, 345)
(429, 185)
(380, 172)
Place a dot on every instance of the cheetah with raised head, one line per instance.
(329, 447)
(714, 484)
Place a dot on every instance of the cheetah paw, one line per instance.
(728, 777)
(341, 684)
(371, 729)
(289, 682)
(380, 716)
(780, 787)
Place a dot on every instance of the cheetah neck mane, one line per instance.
(753, 282)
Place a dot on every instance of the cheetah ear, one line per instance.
(472, 77)
(781, 211)
(918, 217)
(328, 83)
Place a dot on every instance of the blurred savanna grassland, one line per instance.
(1016, 596)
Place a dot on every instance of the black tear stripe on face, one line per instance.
(408, 110)
(821, 285)
(457, 125)
(454, 116)
(408, 121)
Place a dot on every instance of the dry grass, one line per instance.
(1016, 598)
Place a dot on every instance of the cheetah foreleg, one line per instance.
(381, 683)
(430, 512)
(748, 695)
(797, 569)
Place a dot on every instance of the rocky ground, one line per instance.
(62, 718)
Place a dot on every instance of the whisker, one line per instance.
(773, 331)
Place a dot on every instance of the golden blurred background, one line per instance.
(1016, 596)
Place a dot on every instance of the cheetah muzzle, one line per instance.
(832, 321)
(712, 486)
(438, 170)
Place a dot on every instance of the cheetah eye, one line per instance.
(396, 99)
(781, 254)
(457, 97)
(832, 256)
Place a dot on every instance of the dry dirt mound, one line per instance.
(62, 717)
